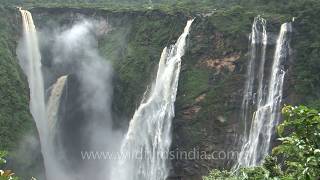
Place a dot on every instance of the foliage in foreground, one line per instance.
(299, 151)
(5, 174)
(300, 147)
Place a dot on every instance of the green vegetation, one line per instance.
(169, 6)
(145, 41)
(5, 174)
(195, 82)
(256, 173)
(15, 119)
(134, 45)
(16, 122)
(301, 142)
(298, 155)
(307, 44)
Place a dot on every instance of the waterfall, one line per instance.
(149, 133)
(258, 38)
(30, 61)
(54, 103)
(266, 116)
(86, 121)
(31, 64)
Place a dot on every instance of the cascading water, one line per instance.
(266, 116)
(31, 64)
(30, 61)
(258, 39)
(54, 102)
(149, 133)
(86, 123)
(274, 98)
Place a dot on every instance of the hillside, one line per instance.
(212, 80)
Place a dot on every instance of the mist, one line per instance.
(73, 51)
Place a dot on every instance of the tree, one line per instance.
(298, 155)
(300, 137)
(5, 174)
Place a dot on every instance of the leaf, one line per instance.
(308, 176)
(2, 155)
(280, 129)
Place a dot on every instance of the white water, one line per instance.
(54, 103)
(259, 39)
(93, 76)
(266, 117)
(31, 64)
(149, 133)
(30, 61)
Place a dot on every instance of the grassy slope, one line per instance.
(147, 37)
(15, 119)
(16, 122)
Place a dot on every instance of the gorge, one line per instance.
(96, 84)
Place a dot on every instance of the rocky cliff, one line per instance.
(212, 78)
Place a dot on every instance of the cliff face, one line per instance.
(211, 82)
(18, 133)
(211, 92)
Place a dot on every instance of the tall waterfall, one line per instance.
(259, 40)
(54, 103)
(149, 135)
(31, 64)
(30, 61)
(266, 116)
